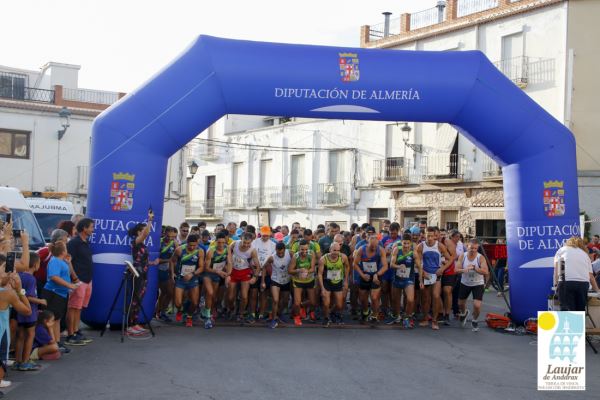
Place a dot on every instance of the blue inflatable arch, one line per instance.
(133, 139)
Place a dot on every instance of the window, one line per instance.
(490, 230)
(12, 86)
(14, 144)
(337, 173)
(297, 170)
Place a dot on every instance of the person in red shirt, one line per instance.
(594, 247)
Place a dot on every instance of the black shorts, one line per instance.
(448, 280)
(13, 313)
(256, 285)
(27, 325)
(333, 287)
(464, 291)
(304, 285)
(56, 303)
(284, 288)
(368, 285)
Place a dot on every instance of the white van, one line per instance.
(49, 212)
(22, 217)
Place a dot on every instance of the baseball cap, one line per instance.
(265, 230)
(370, 229)
(415, 230)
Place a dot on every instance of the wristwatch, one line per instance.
(22, 292)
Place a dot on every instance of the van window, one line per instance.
(49, 222)
(24, 219)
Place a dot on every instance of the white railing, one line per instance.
(82, 179)
(467, 7)
(90, 96)
(445, 166)
(428, 17)
(491, 169)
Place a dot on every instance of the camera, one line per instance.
(11, 256)
(17, 233)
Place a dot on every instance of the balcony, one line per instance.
(468, 7)
(264, 197)
(491, 170)
(23, 93)
(444, 168)
(525, 70)
(334, 194)
(205, 209)
(90, 96)
(235, 198)
(395, 171)
(295, 196)
(206, 151)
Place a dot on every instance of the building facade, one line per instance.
(40, 153)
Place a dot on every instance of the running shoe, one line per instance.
(408, 323)
(83, 338)
(4, 383)
(475, 326)
(283, 320)
(273, 324)
(302, 313)
(327, 322)
(239, 319)
(133, 332)
(435, 326)
(446, 320)
(297, 321)
(189, 322)
(16, 366)
(424, 323)
(313, 317)
(63, 349)
(179, 316)
(393, 319)
(165, 318)
(261, 318)
(250, 319)
(73, 340)
(29, 366)
(140, 328)
(463, 318)
(208, 324)
(372, 318)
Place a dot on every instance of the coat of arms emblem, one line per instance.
(349, 67)
(554, 198)
(121, 191)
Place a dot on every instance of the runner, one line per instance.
(334, 269)
(403, 265)
(278, 264)
(474, 270)
(265, 248)
(214, 277)
(326, 241)
(371, 264)
(184, 230)
(189, 265)
(449, 277)
(429, 256)
(242, 269)
(166, 283)
(388, 243)
(302, 269)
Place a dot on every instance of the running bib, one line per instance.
(239, 263)
(471, 275)
(431, 280)
(403, 272)
(187, 269)
(334, 274)
(369, 267)
(219, 266)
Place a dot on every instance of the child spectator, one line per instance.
(44, 346)
(26, 329)
(56, 290)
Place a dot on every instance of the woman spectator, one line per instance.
(68, 227)
(138, 234)
(573, 274)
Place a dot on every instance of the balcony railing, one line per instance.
(90, 96)
(264, 197)
(206, 151)
(467, 7)
(444, 167)
(24, 93)
(206, 209)
(235, 198)
(525, 70)
(295, 196)
(334, 194)
(396, 171)
(491, 170)
(428, 17)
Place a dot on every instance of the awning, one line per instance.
(487, 212)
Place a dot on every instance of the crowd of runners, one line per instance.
(409, 276)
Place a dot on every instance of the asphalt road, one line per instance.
(299, 363)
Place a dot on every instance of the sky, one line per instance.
(121, 43)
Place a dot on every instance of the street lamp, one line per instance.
(405, 137)
(193, 168)
(65, 119)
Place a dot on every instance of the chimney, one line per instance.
(441, 6)
(386, 24)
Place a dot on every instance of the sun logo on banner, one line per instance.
(554, 198)
(349, 67)
(121, 191)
